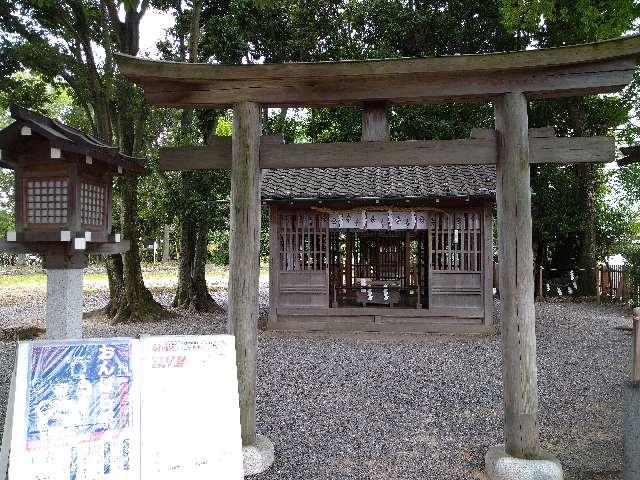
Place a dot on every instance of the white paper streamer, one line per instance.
(421, 220)
(402, 220)
(377, 221)
(355, 220)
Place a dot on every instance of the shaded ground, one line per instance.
(403, 407)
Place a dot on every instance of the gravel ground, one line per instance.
(411, 407)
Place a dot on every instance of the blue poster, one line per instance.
(78, 394)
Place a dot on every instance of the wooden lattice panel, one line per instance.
(46, 201)
(456, 241)
(92, 197)
(303, 241)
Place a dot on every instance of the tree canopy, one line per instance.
(57, 57)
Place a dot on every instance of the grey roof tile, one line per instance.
(380, 182)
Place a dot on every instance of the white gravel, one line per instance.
(414, 407)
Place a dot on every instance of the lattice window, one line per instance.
(46, 201)
(92, 199)
(456, 241)
(303, 241)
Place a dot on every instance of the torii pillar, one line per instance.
(244, 276)
(521, 456)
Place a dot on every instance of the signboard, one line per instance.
(190, 401)
(93, 409)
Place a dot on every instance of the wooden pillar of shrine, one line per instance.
(513, 198)
(244, 257)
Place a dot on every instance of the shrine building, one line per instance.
(399, 248)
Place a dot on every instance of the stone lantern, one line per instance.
(63, 205)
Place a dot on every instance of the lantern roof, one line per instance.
(61, 136)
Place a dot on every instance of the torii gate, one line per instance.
(506, 79)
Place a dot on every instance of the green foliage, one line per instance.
(568, 22)
(32, 91)
(7, 204)
(44, 67)
(561, 205)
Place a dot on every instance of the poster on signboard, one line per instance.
(75, 411)
(194, 378)
(160, 408)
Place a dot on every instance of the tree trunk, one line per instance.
(192, 293)
(116, 284)
(136, 304)
(182, 298)
(587, 260)
(166, 244)
(201, 299)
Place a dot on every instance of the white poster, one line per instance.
(75, 411)
(190, 408)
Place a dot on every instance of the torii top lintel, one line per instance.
(555, 72)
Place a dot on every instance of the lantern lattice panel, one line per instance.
(92, 203)
(47, 201)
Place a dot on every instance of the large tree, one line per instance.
(57, 40)
(195, 188)
(554, 23)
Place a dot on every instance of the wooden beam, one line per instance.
(41, 247)
(244, 258)
(576, 70)
(108, 248)
(471, 151)
(606, 77)
(515, 253)
(214, 156)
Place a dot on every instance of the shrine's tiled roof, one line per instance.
(429, 181)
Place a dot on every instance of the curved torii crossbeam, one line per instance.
(507, 79)
(577, 70)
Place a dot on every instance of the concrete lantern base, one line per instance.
(501, 466)
(64, 303)
(259, 457)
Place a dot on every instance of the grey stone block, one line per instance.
(632, 431)
(259, 457)
(64, 303)
(501, 466)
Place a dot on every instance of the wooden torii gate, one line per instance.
(506, 79)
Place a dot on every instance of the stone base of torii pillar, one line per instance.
(259, 457)
(501, 466)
